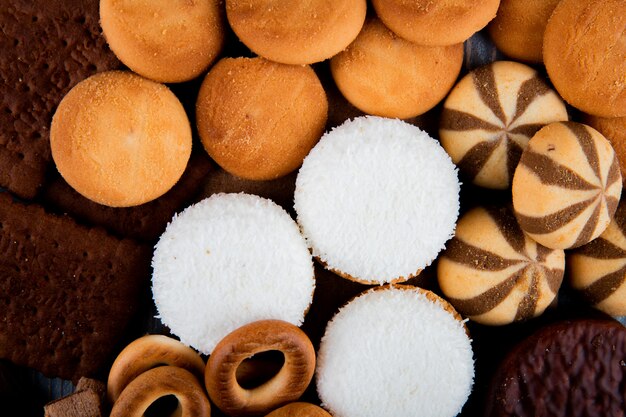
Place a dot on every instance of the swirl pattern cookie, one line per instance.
(614, 129)
(567, 185)
(495, 274)
(490, 116)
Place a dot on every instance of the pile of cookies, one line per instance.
(245, 208)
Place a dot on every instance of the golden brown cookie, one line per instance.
(120, 139)
(299, 409)
(493, 273)
(164, 40)
(584, 50)
(384, 75)
(518, 28)
(436, 22)
(489, 117)
(566, 186)
(258, 119)
(614, 129)
(296, 32)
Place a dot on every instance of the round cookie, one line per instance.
(518, 28)
(598, 269)
(358, 225)
(493, 273)
(385, 75)
(614, 129)
(258, 119)
(299, 409)
(226, 261)
(416, 350)
(566, 186)
(435, 22)
(165, 40)
(296, 32)
(570, 368)
(120, 139)
(489, 117)
(583, 49)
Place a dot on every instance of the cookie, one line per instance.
(258, 119)
(384, 75)
(598, 269)
(48, 46)
(85, 403)
(67, 292)
(566, 186)
(493, 273)
(296, 32)
(119, 139)
(435, 22)
(166, 41)
(489, 117)
(518, 28)
(583, 49)
(614, 129)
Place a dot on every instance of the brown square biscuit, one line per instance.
(47, 46)
(67, 293)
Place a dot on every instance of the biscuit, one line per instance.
(47, 47)
(566, 186)
(435, 22)
(258, 119)
(583, 49)
(168, 40)
(384, 75)
(119, 139)
(489, 117)
(67, 293)
(614, 129)
(296, 32)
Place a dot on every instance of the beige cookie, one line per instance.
(489, 117)
(566, 186)
(164, 40)
(384, 75)
(296, 32)
(614, 129)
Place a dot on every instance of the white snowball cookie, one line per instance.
(227, 261)
(394, 352)
(377, 199)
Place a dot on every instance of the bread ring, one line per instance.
(160, 382)
(146, 353)
(299, 409)
(260, 336)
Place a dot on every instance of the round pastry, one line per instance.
(384, 75)
(377, 199)
(518, 28)
(598, 269)
(570, 368)
(435, 22)
(120, 139)
(159, 382)
(226, 261)
(146, 353)
(395, 351)
(257, 337)
(493, 273)
(299, 409)
(296, 32)
(259, 119)
(165, 40)
(566, 186)
(583, 49)
(614, 129)
(489, 117)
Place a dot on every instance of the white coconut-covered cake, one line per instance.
(227, 261)
(377, 199)
(395, 351)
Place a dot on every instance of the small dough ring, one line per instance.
(260, 336)
(160, 382)
(299, 409)
(146, 353)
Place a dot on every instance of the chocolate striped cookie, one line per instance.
(489, 117)
(493, 273)
(566, 186)
(598, 269)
